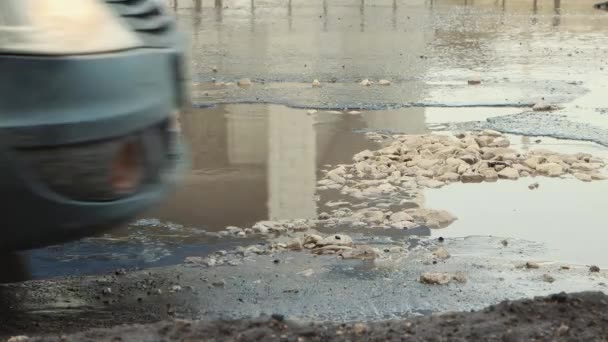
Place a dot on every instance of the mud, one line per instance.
(559, 317)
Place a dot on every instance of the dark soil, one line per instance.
(575, 317)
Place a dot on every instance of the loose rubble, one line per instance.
(543, 106)
(436, 160)
(442, 278)
(244, 82)
(381, 190)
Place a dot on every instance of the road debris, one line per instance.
(543, 106)
(548, 278)
(442, 278)
(244, 82)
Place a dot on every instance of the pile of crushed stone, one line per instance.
(574, 317)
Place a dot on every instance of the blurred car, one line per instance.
(90, 95)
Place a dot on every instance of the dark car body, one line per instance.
(63, 119)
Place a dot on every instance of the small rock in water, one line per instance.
(401, 216)
(366, 83)
(437, 278)
(433, 218)
(193, 260)
(175, 288)
(219, 283)
(384, 82)
(336, 240)
(441, 253)
(294, 245)
(311, 112)
(354, 112)
(316, 84)
(449, 177)
(491, 133)
(543, 106)
(532, 264)
(431, 183)
(583, 177)
(550, 169)
(509, 173)
(324, 216)
(474, 81)
(214, 68)
(505, 243)
(594, 269)
(533, 186)
(244, 82)
(306, 273)
(548, 278)
(472, 177)
(500, 142)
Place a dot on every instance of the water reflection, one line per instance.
(256, 162)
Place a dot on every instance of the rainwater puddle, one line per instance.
(261, 162)
(565, 215)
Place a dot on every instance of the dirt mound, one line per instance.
(581, 316)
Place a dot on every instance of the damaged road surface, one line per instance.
(581, 316)
(379, 169)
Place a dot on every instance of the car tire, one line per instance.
(14, 267)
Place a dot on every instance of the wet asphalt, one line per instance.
(257, 155)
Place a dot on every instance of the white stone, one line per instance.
(489, 175)
(366, 83)
(433, 218)
(244, 82)
(449, 177)
(336, 240)
(403, 225)
(384, 82)
(260, 228)
(401, 216)
(472, 177)
(550, 169)
(491, 133)
(583, 177)
(587, 166)
(441, 253)
(363, 155)
(316, 84)
(508, 173)
(431, 183)
(500, 142)
(435, 278)
(374, 216)
(542, 106)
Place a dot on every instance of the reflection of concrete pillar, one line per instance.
(247, 135)
(291, 165)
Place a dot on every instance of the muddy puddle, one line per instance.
(262, 162)
(258, 151)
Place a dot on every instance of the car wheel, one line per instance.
(14, 267)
